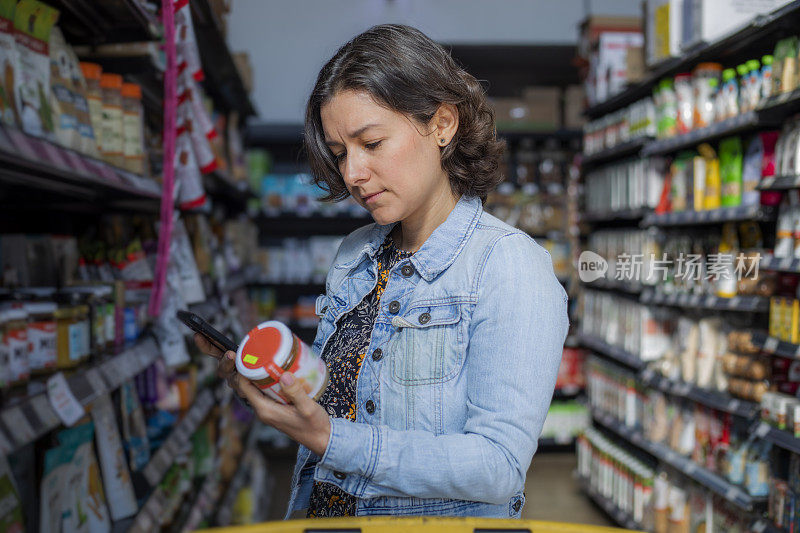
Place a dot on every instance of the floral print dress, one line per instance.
(344, 354)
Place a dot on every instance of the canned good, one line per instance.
(269, 350)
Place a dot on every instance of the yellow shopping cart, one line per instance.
(387, 524)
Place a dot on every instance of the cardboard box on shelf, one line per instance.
(664, 29)
(594, 26)
(538, 109)
(709, 20)
(608, 73)
(574, 103)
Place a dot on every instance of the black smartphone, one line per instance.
(196, 323)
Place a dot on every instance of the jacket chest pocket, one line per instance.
(429, 346)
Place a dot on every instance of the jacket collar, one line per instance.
(441, 248)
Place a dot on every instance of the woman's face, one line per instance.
(390, 164)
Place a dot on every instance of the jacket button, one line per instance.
(377, 355)
(424, 318)
(370, 406)
(394, 307)
(407, 270)
(339, 475)
(517, 506)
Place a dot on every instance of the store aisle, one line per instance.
(553, 494)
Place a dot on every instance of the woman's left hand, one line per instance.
(303, 420)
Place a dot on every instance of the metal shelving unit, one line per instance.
(622, 216)
(713, 216)
(629, 148)
(690, 140)
(618, 354)
(752, 304)
(620, 517)
(763, 29)
(29, 419)
(730, 492)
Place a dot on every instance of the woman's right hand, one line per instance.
(226, 368)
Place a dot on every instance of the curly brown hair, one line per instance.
(403, 69)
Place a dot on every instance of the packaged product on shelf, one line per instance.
(705, 82)
(685, 103)
(33, 21)
(784, 73)
(9, 64)
(116, 476)
(185, 42)
(784, 236)
(187, 126)
(730, 163)
(11, 518)
(190, 96)
(15, 340)
(94, 98)
(767, 81)
(111, 141)
(666, 101)
(62, 101)
(729, 103)
(72, 491)
(188, 180)
(132, 128)
(88, 143)
(699, 179)
(712, 191)
(42, 335)
(134, 430)
(755, 81)
(744, 100)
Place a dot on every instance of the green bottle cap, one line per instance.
(713, 83)
(753, 64)
(742, 70)
(767, 60)
(728, 74)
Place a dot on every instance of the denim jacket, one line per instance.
(458, 376)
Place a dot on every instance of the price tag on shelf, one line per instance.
(109, 371)
(716, 214)
(759, 527)
(16, 421)
(771, 344)
(797, 352)
(732, 494)
(691, 468)
(694, 301)
(734, 302)
(762, 430)
(766, 183)
(733, 405)
(41, 406)
(66, 406)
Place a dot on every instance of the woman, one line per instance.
(442, 327)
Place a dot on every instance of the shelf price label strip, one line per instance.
(35, 416)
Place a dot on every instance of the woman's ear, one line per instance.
(444, 124)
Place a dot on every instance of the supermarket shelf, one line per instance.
(618, 354)
(160, 462)
(689, 140)
(628, 287)
(514, 135)
(762, 29)
(762, 525)
(753, 304)
(732, 493)
(779, 183)
(619, 516)
(293, 225)
(28, 164)
(25, 422)
(232, 193)
(621, 215)
(778, 437)
(568, 392)
(224, 83)
(110, 21)
(247, 276)
(714, 216)
(716, 400)
(774, 346)
(629, 148)
(207, 309)
(780, 264)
